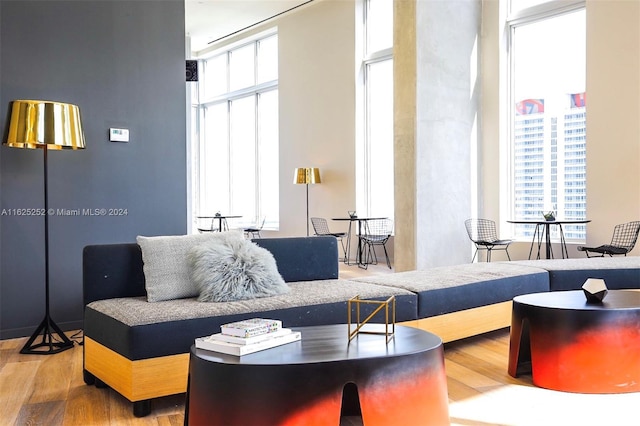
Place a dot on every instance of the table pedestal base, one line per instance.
(586, 351)
(407, 390)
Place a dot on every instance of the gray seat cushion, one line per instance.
(137, 329)
(449, 289)
(569, 274)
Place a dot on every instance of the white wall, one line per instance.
(613, 116)
(317, 112)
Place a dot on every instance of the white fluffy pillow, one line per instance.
(235, 270)
(165, 265)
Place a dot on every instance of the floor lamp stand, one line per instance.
(307, 210)
(47, 328)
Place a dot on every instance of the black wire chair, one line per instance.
(254, 231)
(320, 227)
(376, 233)
(623, 241)
(484, 235)
(208, 224)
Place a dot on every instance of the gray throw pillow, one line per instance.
(234, 270)
(165, 265)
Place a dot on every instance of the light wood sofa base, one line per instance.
(142, 380)
(138, 381)
(466, 323)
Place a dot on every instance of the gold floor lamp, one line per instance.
(45, 125)
(306, 176)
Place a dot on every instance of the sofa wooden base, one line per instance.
(142, 380)
(467, 323)
(137, 380)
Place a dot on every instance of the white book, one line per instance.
(239, 350)
(249, 340)
(251, 327)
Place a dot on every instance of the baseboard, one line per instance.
(16, 333)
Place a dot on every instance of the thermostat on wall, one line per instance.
(118, 135)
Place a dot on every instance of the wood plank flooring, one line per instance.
(50, 391)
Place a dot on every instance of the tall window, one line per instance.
(548, 114)
(375, 150)
(237, 161)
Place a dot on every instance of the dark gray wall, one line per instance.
(122, 63)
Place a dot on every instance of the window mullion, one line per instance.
(242, 93)
(228, 72)
(550, 9)
(380, 55)
(230, 153)
(375, 177)
(367, 145)
(256, 153)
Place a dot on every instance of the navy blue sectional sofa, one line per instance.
(141, 348)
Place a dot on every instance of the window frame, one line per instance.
(525, 16)
(200, 105)
(363, 149)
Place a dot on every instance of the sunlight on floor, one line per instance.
(525, 405)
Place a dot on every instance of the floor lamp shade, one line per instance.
(306, 176)
(45, 125)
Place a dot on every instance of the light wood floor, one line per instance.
(49, 390)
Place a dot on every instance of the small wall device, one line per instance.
(118, 135)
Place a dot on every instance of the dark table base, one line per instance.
(586, 349)
(410, 389)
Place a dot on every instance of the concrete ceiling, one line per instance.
(211, 20)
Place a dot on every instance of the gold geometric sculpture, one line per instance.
(389, 307)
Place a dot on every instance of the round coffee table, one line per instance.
(321, 377)
(570, 345)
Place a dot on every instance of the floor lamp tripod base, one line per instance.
(49, 343)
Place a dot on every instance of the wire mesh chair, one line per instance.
(623, 241)
(254, 231)
(320, 227)
(208, 224)
(376, 233)
(484, 235)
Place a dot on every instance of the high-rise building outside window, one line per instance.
(548, 115)
(236, 148)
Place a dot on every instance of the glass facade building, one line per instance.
(550, 162)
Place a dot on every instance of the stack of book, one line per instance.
(246, 337)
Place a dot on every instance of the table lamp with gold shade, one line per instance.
(306, 176)
(46, 125)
